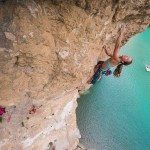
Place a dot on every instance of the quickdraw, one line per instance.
(107, 73)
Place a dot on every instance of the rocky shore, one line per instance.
(48, 49)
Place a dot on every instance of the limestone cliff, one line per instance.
(48, 49)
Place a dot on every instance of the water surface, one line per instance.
(115, 114)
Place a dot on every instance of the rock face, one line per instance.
(47, 53)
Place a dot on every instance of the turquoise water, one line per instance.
(115, 114)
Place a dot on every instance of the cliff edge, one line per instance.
(48, 49)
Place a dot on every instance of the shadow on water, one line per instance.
(115, 113)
